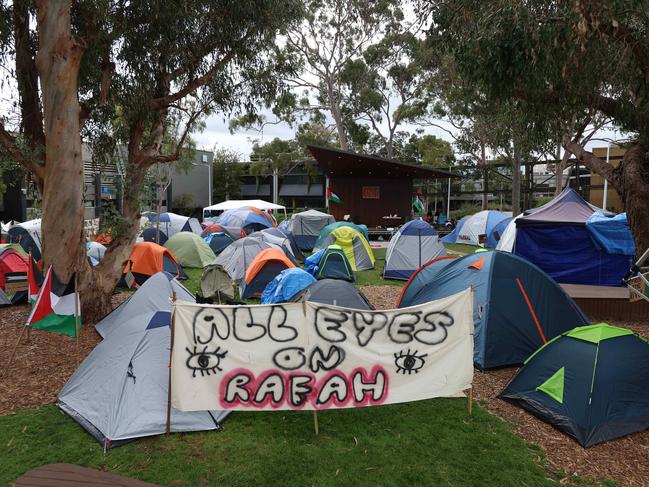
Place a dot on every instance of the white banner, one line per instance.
(314, 356)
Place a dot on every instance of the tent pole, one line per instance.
(315, 423)
(76, 316)
(171, 349)
(13, 353)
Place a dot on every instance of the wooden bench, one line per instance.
(67, 475)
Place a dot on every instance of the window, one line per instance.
(204, 157)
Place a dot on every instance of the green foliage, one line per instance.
(226, 174)
(425, 150)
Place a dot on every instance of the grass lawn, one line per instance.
(461, 248)
(431, 442)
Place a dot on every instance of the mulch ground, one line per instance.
(44, 363)
(625, 460)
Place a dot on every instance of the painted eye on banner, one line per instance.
(205, 361)
(408, 362)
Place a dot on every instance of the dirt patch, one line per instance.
(625, 460)
(43, 362)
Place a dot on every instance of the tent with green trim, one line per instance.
(590, 382)
(190, 250)
(353, 243)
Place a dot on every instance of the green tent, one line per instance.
(190, 250)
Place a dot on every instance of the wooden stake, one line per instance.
(315, 422)
(13, 352)
(470, 398)
(171, 349)
(77, 312)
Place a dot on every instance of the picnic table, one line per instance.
(67, 475)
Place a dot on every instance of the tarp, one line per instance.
(334, 292)
(517, 306)
(95, 250)
(611, 234)
(307, 225)
(313, 356)
(590, 382)
(414, 244)
(119, 392)
(190, 250)
(285, 285)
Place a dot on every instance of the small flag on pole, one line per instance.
(56, 306)
(333, 197)
(416, 204)
(34, 279)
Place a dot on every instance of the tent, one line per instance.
(476, 228)
(148, 258)
(277, 238)
(28, 235)
(354, 244)
(245, 219)
(12, 264)
(237, 256)
(119, 392)
(172, 223)
(218, 241)
(330, 263)
(334, 292)
(307, 225)
(215, 227)
(332, 226)
(497, 232)
(285, 285)
(190, 250)
(262, 205)
(452, 237)
(264, 267)
(152, 295)
(611, 234)
(215, 283)
(590, 382)
(555, 237)
(517, 307)
(414, 244)
(508, 236)
(95, 250)
(151, 235)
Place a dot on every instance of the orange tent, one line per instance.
(263, 269)
(148, 258)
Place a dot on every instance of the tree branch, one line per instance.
(592, 162)
(8, 143)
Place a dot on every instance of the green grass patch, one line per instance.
(461, 248)
(431, 442)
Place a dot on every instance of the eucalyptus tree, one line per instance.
(562, 58)
(116, 72)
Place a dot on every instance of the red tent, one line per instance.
(11, 262)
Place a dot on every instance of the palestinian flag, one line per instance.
(333, 197)
(34, 280)
(55, 307)
(416, 204)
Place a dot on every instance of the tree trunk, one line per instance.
(336, 114)
(485, 177)
(634, 189)
(57, 61)
(516, 182)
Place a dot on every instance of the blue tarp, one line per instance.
(611, 234)
(312, 261)
(285, 285)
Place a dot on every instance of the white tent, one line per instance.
(507, 239)
(262, 205)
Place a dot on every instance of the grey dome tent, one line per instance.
(307, 225)
(334, 292)
(119, 392)
(237, 256)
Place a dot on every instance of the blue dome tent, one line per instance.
(285, 285)
(517, 307)
(496, 232)
(452, 237)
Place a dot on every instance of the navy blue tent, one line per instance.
(555, 238)
(330, 263)
(150, 235)
(517, 307)
(590, 382)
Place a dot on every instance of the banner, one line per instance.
(314, 356)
